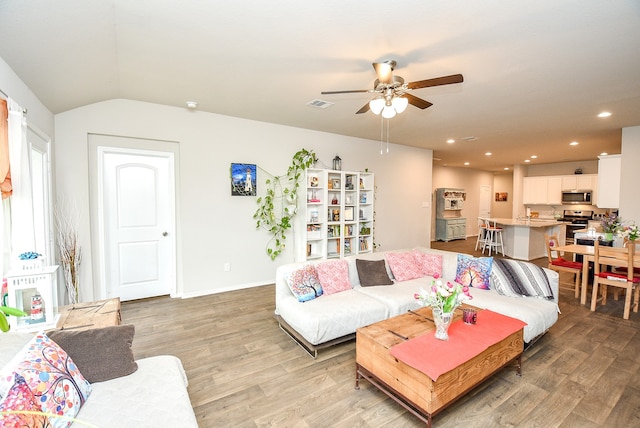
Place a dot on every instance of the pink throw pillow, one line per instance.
(403, 266)
(333, 276)
(430, 264)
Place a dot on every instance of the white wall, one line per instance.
(502, 183)
(629, 195)
(37, 114)
(215, 228)
(463, 178)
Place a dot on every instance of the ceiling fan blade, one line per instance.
(418, 102)
(444, 80)
(384, 70)
(364, 109)
(344, 92)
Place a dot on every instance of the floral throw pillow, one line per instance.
(334, 276)
(404, 266)
(304, 283)
(474, 272)
(17, 406)
(430, 264)
(52, 377)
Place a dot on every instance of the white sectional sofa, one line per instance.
(154, 395)
(334, 318)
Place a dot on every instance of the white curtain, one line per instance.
(22, 231)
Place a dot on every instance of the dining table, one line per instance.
(587, 251)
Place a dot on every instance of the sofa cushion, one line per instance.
(430, 264)
(372, 272)
(474, 271)
(333, 276)
(304, 283)
(20, 399)
(155, 395)
(333, 316)
(52, 376)
(403, 265)
(100, 353)
(520, 279)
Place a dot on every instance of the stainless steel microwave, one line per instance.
(572, 197)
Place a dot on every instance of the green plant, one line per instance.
(280, 203)
(6, 310)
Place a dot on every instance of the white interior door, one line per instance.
(485, 201)
(137, 206)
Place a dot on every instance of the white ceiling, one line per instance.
(536, 72)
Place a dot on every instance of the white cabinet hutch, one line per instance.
(449, 221)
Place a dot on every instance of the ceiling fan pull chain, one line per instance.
(381, 132)
(388, 125)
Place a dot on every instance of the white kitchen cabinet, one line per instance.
(547, 190)
(534, 190)
(609, 168)
(579, 182)
(554, 190)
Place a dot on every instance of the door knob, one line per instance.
(165, 233)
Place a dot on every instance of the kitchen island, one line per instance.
(524, 239)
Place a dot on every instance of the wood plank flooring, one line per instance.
(245, 372)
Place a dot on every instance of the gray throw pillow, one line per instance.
(100, 353)
(372, 272)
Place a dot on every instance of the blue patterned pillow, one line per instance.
(474, 272)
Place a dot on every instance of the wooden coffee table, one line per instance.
(412, 388)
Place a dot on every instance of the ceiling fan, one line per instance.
(392, 90)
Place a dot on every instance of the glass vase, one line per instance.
(442, 321)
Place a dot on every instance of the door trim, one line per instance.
(128, 145)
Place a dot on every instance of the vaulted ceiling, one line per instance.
(536, 73)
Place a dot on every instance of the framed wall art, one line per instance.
(243, 179)
(501, 196)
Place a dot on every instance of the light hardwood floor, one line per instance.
(245, 372)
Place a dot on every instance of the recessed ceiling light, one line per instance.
(534, 157)
(506, 168)
(604, 154)
(573, 143)
(604, 114)
(527, 160)
(488, 154)
(192, 105)
(466, 163)
(451, 141)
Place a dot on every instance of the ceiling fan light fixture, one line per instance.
(400, 104)
(376, 105)
(388, 112)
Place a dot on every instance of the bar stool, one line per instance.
(482, 235)
(494, 237)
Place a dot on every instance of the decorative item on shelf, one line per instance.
(443, 298)
(610, 225)
(335, 201)
(363, 198)
(31, 261)
(337, 163)
(37, 315)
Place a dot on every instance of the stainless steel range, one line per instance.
(578, 219)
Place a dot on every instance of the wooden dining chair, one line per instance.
(559, 264)
(612, 259)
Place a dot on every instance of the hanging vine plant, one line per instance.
(280, 203)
